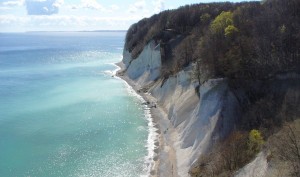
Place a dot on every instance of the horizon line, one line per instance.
(62, 31)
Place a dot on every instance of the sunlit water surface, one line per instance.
(61, 111)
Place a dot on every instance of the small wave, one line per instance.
(116, 70)
(109, 72)
(112, 72)
(141, 128)
(152, 130)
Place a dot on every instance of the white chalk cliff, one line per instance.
(198, 117)
(146, 67)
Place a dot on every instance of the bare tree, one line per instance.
(286, 147)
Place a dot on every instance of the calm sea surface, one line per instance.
(61, 111)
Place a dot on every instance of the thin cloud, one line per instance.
(5, 8)
(13, 3)
(94, 5)
(138, 5)
(91, 4)
(114, 7)
(88, 4)
(43, 7)
(159, 5)
(64, 20)
(58, 3)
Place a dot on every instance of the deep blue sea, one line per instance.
(61, 111)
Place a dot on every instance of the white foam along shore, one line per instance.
(164, 156)
(156, 158)
(152, 140)
(188, 120)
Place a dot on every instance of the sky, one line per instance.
(79, 15)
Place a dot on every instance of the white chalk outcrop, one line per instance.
(198, 116)
(146, 67)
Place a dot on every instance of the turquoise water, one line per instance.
(61, 111)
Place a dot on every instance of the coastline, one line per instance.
(163, 162)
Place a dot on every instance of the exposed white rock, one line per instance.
(257, 168)
(198, 118)
(148, 63)
(126, 58)
(192, 119)
(198, 121)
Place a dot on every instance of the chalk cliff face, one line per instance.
(199, 117)
(146, 67)
(199, 120)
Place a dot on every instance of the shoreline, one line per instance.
(164, 156)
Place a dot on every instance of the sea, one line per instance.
(64, 113)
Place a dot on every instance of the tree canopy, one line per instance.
(248, 40)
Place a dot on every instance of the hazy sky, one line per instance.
(74, 15)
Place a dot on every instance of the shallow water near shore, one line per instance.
(62, 113)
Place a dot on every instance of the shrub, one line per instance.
(255, 141)
(229, 155)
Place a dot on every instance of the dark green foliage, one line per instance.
(266, 105)
(249, 43)
(185, 21)
(250, 40)
(245, 42)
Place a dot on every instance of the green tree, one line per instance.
(255, 141)
(230, 30)
(221, 22)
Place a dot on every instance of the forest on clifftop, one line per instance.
(248, 40)
(250, 44)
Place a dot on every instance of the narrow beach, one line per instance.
(164, 153)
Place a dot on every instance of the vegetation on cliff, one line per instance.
(248, 40)
(229, 155)
(250, 43)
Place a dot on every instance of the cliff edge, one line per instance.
(219, 92)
